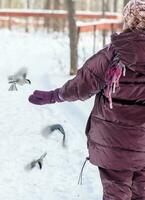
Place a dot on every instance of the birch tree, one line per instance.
(47, 20)
(72, 36)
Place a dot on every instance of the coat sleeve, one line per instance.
(88, 81)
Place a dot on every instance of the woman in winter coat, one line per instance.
(116, 126)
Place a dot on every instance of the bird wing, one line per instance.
(22, 73)
(19, 75)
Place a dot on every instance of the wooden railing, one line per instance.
(19, 17)
(54, 13)
(102, 24)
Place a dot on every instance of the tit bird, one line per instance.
(18, 78)
(55, 127)
(38, 162)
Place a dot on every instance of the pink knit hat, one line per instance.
(134, 14)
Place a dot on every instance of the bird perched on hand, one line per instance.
(18, 78)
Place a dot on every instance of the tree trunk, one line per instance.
(0, 3)
(107, 6)
(47, 20)
(115, 6)
(27, 20)
(103, 15)
(125, 2)
(72, 36)
(103, 8)
(56, 22)
(10, 23)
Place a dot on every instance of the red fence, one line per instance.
(54, 13)
(18, 17)
(105, 24)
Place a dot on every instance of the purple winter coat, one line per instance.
(116, 137)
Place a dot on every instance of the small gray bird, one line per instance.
(38, 162)
(55, 127)
(18, 78)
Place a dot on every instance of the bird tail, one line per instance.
(13, 87)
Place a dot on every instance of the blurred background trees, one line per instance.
(87, 5)
(59, 5)
(72, 36)
(69, 22)
(125, 2)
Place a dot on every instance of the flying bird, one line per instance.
(38, 162)
(55, 127)
(18, 78)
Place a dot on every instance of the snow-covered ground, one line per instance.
(22, 124)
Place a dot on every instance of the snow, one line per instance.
(100, 21)
(21, 124)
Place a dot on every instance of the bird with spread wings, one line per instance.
(19, 78)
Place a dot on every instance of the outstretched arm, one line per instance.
(84, 85)
(87, 82)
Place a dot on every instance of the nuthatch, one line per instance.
(18, 79)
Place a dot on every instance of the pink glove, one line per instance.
(45, 97)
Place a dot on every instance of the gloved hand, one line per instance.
(45, 97)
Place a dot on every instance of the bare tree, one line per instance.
(72, 36)
(103, 8)
(107, 5)
(0, 3)
(10, 22)
(115, 6)
(56, 22)
(47, 20)
(103, 16)
(125, 2)
(27, 20)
